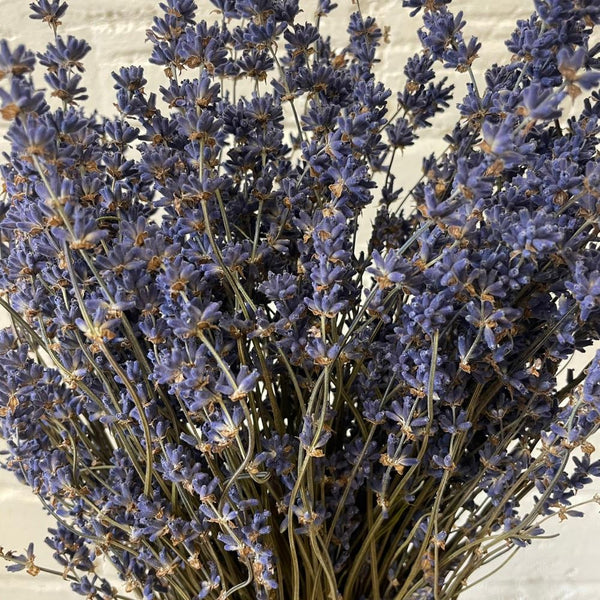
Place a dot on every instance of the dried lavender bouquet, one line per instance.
(207, 382)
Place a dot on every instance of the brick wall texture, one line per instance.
(553, 569)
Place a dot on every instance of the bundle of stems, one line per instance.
(206, 380)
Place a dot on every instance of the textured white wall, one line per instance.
(557, 569)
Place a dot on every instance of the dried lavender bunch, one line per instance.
(206, 381)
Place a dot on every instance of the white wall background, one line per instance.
(557, 569)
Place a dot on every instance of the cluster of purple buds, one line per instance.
(207, 381)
